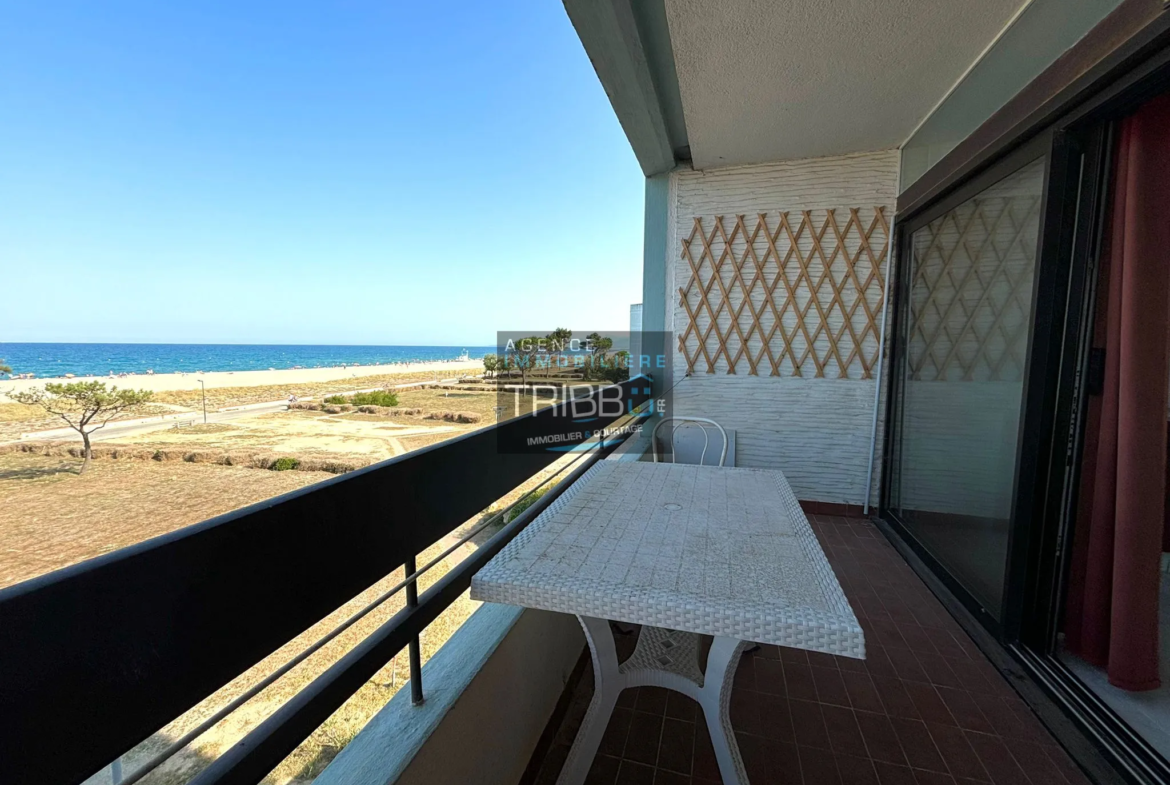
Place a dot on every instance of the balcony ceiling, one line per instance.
(749, 81)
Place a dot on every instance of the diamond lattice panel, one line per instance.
(970, 298)
(785, 294)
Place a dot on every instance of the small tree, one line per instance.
(490, 363)
(524, 353)
(84, 406)
(558, 342)
(5, 369)
(597, 347)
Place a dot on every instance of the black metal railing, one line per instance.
(98, 656)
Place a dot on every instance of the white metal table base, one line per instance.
(662, 658)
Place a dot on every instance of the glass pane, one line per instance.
(964, 330)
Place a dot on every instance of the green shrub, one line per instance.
(284, 464)
(526, 502)
(376, 398)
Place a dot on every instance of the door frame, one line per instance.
(1078, 147)
(1089, 130)
(1027, 452)
(1043, 570)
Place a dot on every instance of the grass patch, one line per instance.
(51, 517)
(366, 417)
(484, 403)
(23, 413)
(204, 428)
(20, 412)
(220, 397)
(253, 458)
(425, 440)
(527, 502)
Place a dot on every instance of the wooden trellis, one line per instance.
(970, 297)
(802, 297)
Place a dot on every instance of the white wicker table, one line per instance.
(685, 551)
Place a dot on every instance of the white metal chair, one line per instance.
(702, 423)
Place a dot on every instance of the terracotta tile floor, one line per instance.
(924, 707)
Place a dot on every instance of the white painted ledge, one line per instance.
(635, 448)
(490, 691)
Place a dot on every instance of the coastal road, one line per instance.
(143, 425)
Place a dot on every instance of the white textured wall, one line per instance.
(815, 430)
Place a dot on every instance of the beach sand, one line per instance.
(162, 382)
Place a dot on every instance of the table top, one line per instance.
(710, 550)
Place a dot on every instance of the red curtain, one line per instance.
(1111, 619)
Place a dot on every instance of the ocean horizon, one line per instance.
(102, 359)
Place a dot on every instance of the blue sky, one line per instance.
(308, 172)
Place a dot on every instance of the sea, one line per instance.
(101, 359)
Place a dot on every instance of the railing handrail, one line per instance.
(412, 578)
(100, 655)
(250, 759)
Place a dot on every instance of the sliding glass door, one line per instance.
(965, 309)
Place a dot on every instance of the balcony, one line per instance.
(822, 190)
(170, 621)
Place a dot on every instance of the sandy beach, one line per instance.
(162, 382)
